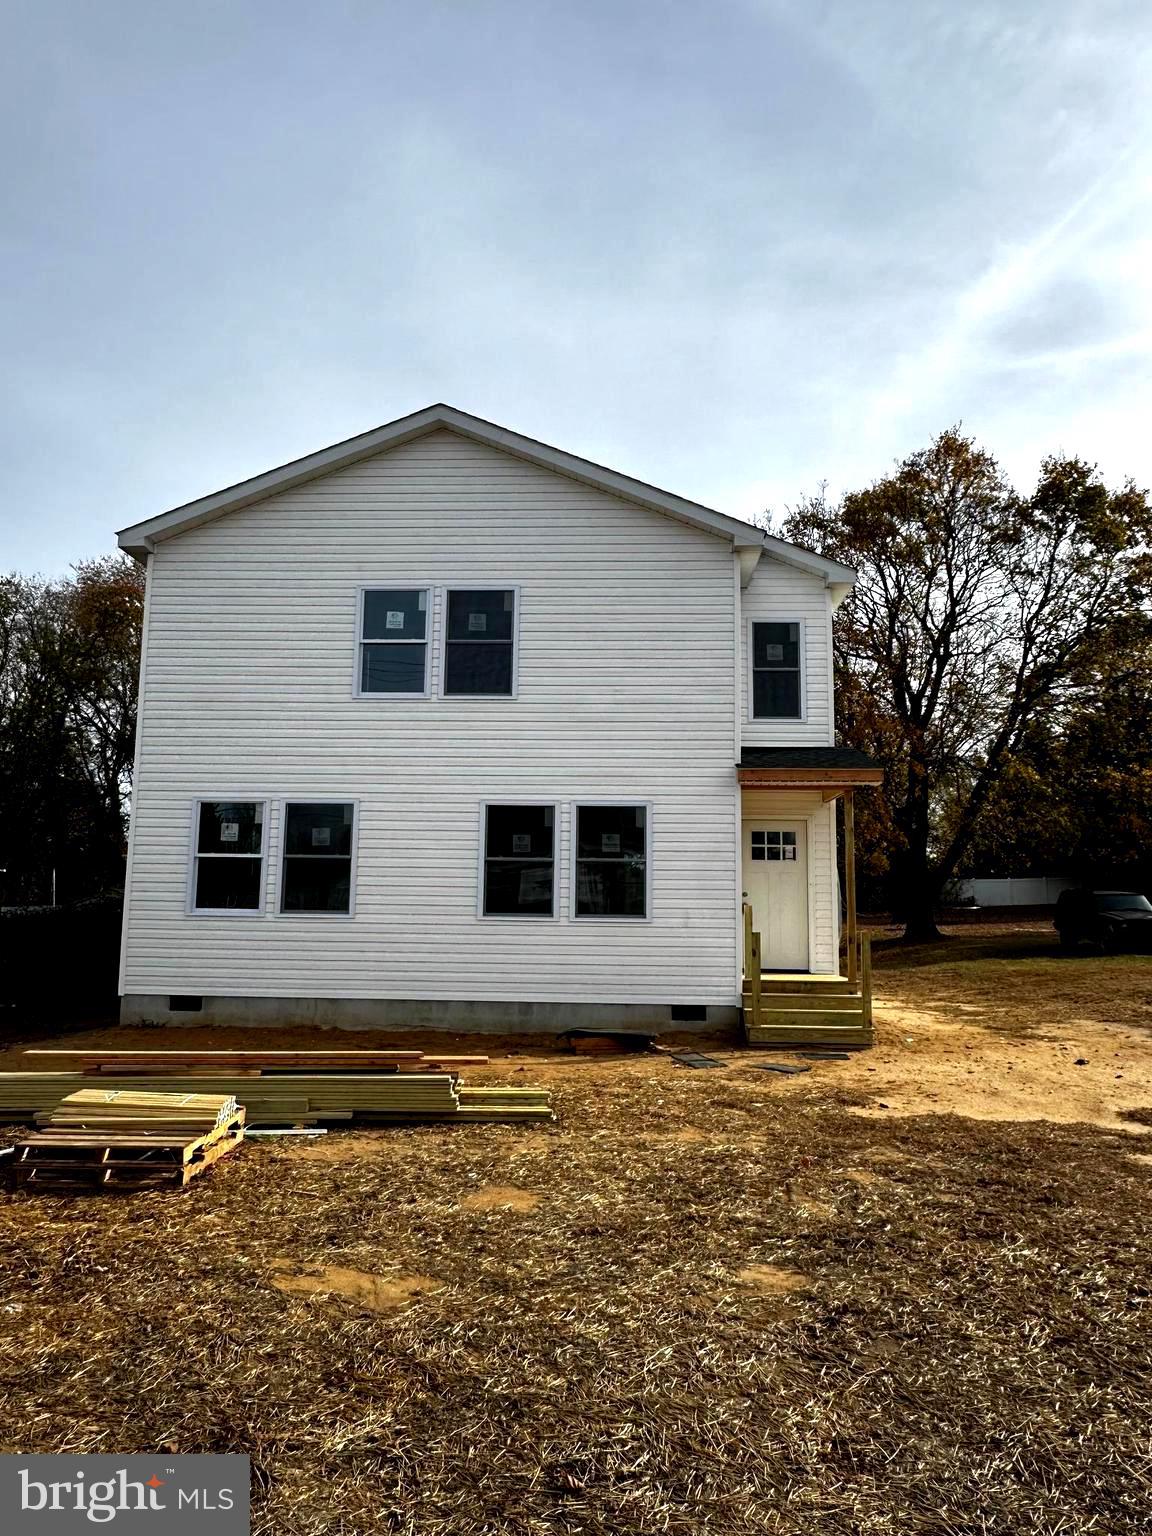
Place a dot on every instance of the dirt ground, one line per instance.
(908, 1292)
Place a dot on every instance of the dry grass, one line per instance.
(960, 1341)
(702, 1302)
(1020, 971)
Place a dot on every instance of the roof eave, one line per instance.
(774, 778)
(193, 514)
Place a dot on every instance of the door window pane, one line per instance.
(229, 859)
(479, 643)
(776, 671)
(772, 845)
(317, 857)
(611, 861)
(393, 641)
(519, 860)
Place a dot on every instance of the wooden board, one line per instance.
(263, 1061)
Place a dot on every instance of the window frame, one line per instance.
(442, 663)
(801, 669)
(282, 855)
(619, 801)
(556, 807)
(194, 857)
(430, 592)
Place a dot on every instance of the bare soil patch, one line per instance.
(500, 1197)
(772, 1280)
(378, 1293)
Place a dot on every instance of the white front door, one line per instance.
(776, 884)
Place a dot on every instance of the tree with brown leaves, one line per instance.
(977, 611)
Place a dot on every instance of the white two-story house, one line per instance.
(441, 726)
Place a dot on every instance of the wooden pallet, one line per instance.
(71, 1160)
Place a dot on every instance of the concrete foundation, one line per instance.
(388, 1013)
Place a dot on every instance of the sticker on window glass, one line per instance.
(395, 619)
(521, 842)
(773, 653)
(609, 842)
(229, 831)
(477, 622)
(321, 837)
(788, 851)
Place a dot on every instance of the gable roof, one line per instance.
(141, 538)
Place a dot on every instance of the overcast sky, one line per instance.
(734, 247)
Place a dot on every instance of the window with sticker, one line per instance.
(480, 641)
(394, 640)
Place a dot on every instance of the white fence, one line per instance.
(1028, 891)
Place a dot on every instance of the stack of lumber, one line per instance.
(197, 1113)
(505, 1104)
(279, 1088)
(117, 1139)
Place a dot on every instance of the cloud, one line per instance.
(735, 250)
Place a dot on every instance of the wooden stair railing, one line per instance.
(858, 982)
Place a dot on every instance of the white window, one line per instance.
(480, 642)
(319, 840)
(228, 857)
(611, 861)
(394, 640)
(773, 847)
(776, 671)
(519, 873)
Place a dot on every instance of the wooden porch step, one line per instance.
(850, 1002)
(787, 1040)
(816, 986)
(794, 1027)
(813, 1018)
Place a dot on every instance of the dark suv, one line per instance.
(1108, 919)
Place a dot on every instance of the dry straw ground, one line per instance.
(701, 1302)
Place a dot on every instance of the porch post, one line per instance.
(850, 878)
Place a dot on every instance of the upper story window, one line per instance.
(480, 641)
(228, 868)
(776, 691)
(317, 874)
(519, 860)
(394, 640)
(611, 861)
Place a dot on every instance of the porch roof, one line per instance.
(820, 766)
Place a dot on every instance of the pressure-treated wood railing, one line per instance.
(752, 960)
(857, 981)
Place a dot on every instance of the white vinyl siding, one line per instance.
(780, 593)
(624, 679)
